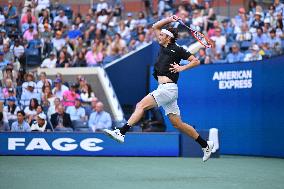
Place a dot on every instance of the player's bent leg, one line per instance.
(146, 103)
(190, 131)
(183, 127)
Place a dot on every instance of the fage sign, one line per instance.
(88, 144)
(60, 144)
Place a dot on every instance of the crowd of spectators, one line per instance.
(59, 38)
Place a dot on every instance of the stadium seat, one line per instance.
(80, 126)
(245, 45)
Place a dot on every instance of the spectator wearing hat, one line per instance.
(70, 95)
(29, 34)
(49, 62)
(20, 125)
(235, 55)
(29, 77)
(4, 36)
(130, 22)
(254, 54)
(61, 17)
(59, 88)
(77, 112)
(10, 111)
(40, 123)
(99, 119)
(256, 22)
(58, 42)
(61, 120)
(30, 94)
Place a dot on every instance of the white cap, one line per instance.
(42, 116)
(31, 84)
(255, 47)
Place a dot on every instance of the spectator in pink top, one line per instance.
(70, 95)
(29, 34)
(94, 56)
(28, 16)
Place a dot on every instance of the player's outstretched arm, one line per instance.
(193, 63)
(158, 25)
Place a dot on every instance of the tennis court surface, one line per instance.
(140, 173)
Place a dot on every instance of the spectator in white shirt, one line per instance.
(61, 17)
(220, 40)
(10, 111)
(40, 123)
(42, 81)
(58, 42)
(253, 55)
(29, 94)
(49, 62)
(59, 88)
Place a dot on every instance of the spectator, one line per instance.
(47, 97)
(220, 40)
(29, 34)
(61, 120)
(62, 61)
(235, 55)
(70, 95)
(53, 108)
(87, 93)
(58, 42)
(88, 27)
(61, 17)
(28, 15)
(77, 112)
(244, 34)
(227, 29)
(141, 21)
(18, 50)
(274, 42)
(8, 55)
(59, 88)
(41, 5)
(42, 81)
(8, 85)
(9, 73)
(3, 125)
(29, 94)
(3, 63)
(10, 12)
(197, 21)
(29, 77)
(130, 22)
(124, 31)
(79, 60)
(49, 62)
(257, 22)
(254, 55)
(260, 38)
(119, 44)
(99, 119)
(94, 56)
(102, 23)
(202, 57)
(40, 123)
(20, 125)
(10, 111)
(30, 110)
(2, 18)
(102, 5)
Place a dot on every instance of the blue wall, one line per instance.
(250, 120)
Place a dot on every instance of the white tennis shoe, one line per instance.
(207, 151)
(115, 134)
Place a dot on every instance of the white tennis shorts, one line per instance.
(166, 96)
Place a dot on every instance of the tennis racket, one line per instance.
(200, 37)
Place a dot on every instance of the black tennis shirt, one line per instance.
(167, 56)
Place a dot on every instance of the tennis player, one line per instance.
(166, 72)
